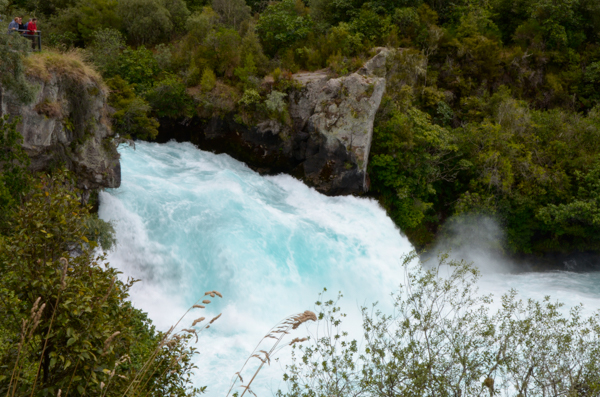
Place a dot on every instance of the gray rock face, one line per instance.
(338, 115)
(326, 144)
(68, 124)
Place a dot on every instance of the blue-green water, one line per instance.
(189, 221)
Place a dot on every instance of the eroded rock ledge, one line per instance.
(67, 123)
(328, 142)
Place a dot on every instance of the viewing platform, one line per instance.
(36, 38)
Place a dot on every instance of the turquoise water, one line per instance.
(189, 221)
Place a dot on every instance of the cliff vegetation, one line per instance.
(490, 106)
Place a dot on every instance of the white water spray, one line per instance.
(189, 221)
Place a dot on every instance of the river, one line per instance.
(189, 221)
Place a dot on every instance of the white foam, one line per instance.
(188, 221)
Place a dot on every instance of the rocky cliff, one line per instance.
(327, 142)
(67, 123)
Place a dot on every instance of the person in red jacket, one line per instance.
(31, 31)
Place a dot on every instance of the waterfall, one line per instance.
(189, 221)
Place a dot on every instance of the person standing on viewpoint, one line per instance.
(21, 26)
(13, 25)
(31, 31)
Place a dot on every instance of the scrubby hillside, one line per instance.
(490, 106)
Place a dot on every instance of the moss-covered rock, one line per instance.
(68, 120)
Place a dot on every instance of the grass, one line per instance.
(43, 65)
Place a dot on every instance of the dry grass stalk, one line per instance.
(192, 331)
(36, 320)
(167, 340)
(298, 340)
(112, 373)
(63, 276)
(27, 328)
(215, 319)
(282, 329)
(206, 301)
(110, 288)
(304, 317)
(108, 341)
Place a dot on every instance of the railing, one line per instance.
(35, 37)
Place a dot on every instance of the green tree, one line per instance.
(282, 24)
(96, 15)
(105, 49)
(233, 12)
(169, 98)
(145, 21)
(137, 67)
(132, 118)
(578, 218)
(410, 155)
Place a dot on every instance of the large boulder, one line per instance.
(338, 116)
(326, 142)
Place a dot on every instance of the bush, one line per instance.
(443, 339)
(106, 48)
(208, 81)
(13, 49)
(145, 21)
(233, 12)
(132, 117)
(137, 67)
(282, 24)
(169, 98)
(13, 168)
(68, 325)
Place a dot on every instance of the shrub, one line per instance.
(282, 24)
(13, 49)
(68, 325)
(233, 12)
(209, 80)
(443, 339)
(138, 67)
(13, 168)
(145, 21)
(275, 102)
(169, 98)
(106, 48)
(132, 117)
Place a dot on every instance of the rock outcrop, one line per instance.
(327, 142)
(333, 120)
(68, 122)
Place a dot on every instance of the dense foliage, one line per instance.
(67, 326)
(443, 338)
(491, 106)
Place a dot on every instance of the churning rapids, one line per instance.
(189, 221)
